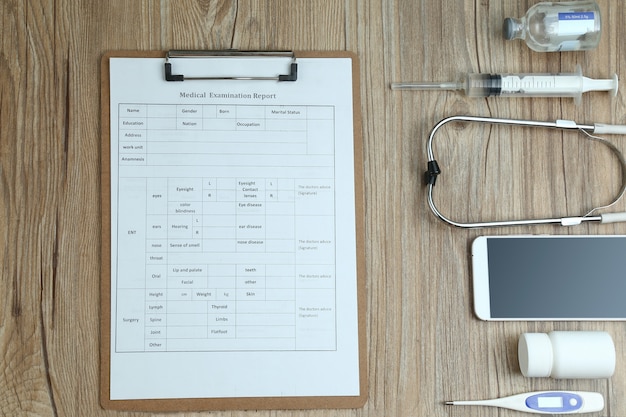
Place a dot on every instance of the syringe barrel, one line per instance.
(542, 85)
(534, 85)
(483, 85)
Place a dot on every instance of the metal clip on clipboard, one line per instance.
(597, 128)
(293, 67)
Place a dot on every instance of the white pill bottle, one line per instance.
(567, 354)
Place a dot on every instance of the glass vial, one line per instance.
(567, 354)
(554, 27)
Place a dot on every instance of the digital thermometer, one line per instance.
(546, 402)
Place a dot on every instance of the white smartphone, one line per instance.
(549, 277)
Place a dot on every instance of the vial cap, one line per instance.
(509, 29)
(535, 354)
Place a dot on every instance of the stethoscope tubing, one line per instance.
(433, 171)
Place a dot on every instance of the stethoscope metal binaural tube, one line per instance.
(433, 171)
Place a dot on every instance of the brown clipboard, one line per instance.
(235, 403)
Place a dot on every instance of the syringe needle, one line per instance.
(425, 85)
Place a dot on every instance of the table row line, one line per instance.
(317, 158)
(308, 343)
(196, 289)
(194, 185)
(232, 202)
(225, 210)
(222, 332)
(190, 137)
(248, 270)
(224, 319)
(205, 288)
(227, 301)
(129, 110)
(302, 300)
(321, 252)
(163, 239)
(174, 124)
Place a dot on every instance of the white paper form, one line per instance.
(233, 248)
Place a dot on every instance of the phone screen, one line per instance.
(557, 277)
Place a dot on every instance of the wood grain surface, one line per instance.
(425, 345)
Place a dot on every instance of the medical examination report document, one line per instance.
(235, 256)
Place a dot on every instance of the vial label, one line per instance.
(576, 23)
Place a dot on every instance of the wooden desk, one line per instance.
(425, 345)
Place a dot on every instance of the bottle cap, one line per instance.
(535, 354)
(509, 29)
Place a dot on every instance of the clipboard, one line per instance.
(197, 403)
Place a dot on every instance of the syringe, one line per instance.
(520, 85)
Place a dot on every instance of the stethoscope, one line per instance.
(597, 128)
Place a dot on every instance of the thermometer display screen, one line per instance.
(550, 402)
